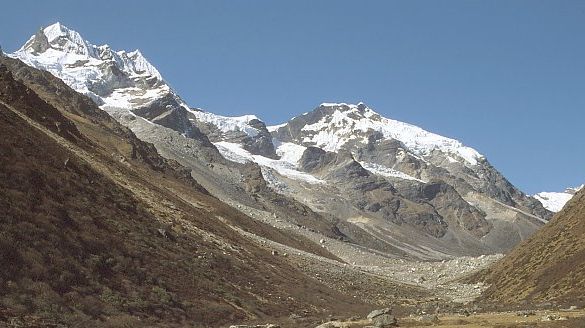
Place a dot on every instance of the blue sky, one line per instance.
(505, 77)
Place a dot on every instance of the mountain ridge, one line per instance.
(403, 178)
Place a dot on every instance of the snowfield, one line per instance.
(555, 201)
(284, 167)
(228, 123)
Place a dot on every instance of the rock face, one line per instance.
(384, 321)
(260, 144)
(247, 131)
(372, 193)
(379, 312)
(382, 318)
(429, 319)
(380, 183)
(548, 267)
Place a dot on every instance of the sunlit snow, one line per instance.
(388, 172)
(332, 132)
(85, 67)
(555, 201)
(227, 123)
(236, 153)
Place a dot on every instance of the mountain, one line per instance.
(341, 170)
(97, 71)
(548, 267)
(122, 83)
(99, 230)
(398, 176)
(554, 201)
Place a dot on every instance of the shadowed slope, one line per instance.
(97, 227)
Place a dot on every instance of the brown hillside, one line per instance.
(97, 229)
(548, 267)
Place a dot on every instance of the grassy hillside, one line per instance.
(96, 229)
(548, 267)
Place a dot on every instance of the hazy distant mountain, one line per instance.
(554, 201)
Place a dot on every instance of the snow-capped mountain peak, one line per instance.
(58, 32)
(332, 126)
(122, 81)
(138, 64)
(113, 78)
(555, 201)
(61, 38)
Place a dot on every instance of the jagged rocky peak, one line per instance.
(61, 38)
(357, 109)
(93, 70)
(333, 126)
(123, 83)
(111, 78)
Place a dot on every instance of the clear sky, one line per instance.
(506, 77)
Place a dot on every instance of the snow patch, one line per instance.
(555, 201)
(227, 123)
(388, 172)
(273, 128)
(236, 153)
(289, 152)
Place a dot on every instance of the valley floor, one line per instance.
(409, 287)
(368, 271)
(543, 318)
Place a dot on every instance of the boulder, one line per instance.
(331, 324)
(270, 325)
(428, 318)
(376, 313)
(384, 320)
